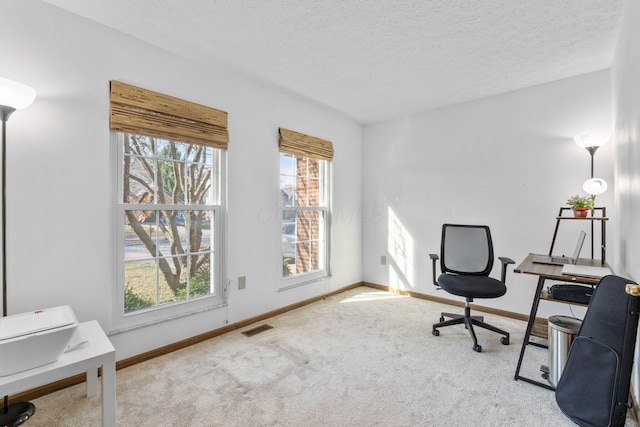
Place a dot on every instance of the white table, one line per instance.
(97, 351)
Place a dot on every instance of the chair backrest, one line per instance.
(466, 249)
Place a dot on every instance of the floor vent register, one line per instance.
(257, 330)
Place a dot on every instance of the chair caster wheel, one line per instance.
(441, 319)
(477, 348)
(435, 332)
(504, 340)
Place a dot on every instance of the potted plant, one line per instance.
(580, 205)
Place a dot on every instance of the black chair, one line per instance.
(466, 259)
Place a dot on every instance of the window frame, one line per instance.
(325, 174)
(121, 321)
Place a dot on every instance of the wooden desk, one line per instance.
(97, 351)
(544, 272)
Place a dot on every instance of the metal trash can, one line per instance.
(562, 331)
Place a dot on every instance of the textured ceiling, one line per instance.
(377, 59)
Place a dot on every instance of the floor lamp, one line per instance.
(13, 96)
(592, 186)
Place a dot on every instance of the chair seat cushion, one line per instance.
(472, 286)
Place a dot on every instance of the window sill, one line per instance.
(153, 317)
(296, 282)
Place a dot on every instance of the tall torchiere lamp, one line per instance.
(13, 96)
(593, 186)
(591, 142)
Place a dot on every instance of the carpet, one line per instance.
(360, 358)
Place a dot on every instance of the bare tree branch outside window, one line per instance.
(168, 238)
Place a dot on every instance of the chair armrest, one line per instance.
(434, 258)
(505, 261)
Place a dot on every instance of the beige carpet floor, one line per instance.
(361, 358)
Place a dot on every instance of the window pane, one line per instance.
(198, 184)
(197, 154)
(199, 277)
(139, 235)
(315, 261)
(301, 166)
(172, 278)
(287, 162)
(308, 238)
(288, 242)
(140, 285)
(307, 257)
(200, 231)
(170, 149)
(170, 190)
(307, 192)
(301, 192)
(313, 169)
(173, 239)
(163, 148)
(287, 190)
(138, 180)
(139, 145)
(308, 188)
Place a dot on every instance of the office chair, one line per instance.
(466, 259)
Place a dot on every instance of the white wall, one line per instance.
(508, 161)
(626, 104)
(61, 172)
(626, 107)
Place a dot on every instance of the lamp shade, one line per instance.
(15, 95)
(586, 140)
(595, 186)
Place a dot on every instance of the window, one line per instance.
(169, 210)
(304, 204)
(170, 216)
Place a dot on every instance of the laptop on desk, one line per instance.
(561, 260)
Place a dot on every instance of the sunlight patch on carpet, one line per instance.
(372, 296)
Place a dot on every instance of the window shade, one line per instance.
(303, 145)
(141, 111)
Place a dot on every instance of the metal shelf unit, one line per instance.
(603, 229)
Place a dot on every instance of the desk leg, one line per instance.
(527, 335)
(92, 381)
(109, 394)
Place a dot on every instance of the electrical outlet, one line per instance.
(383, 260)
(242, 282)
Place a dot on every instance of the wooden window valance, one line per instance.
(303, 145)
(144, 112)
